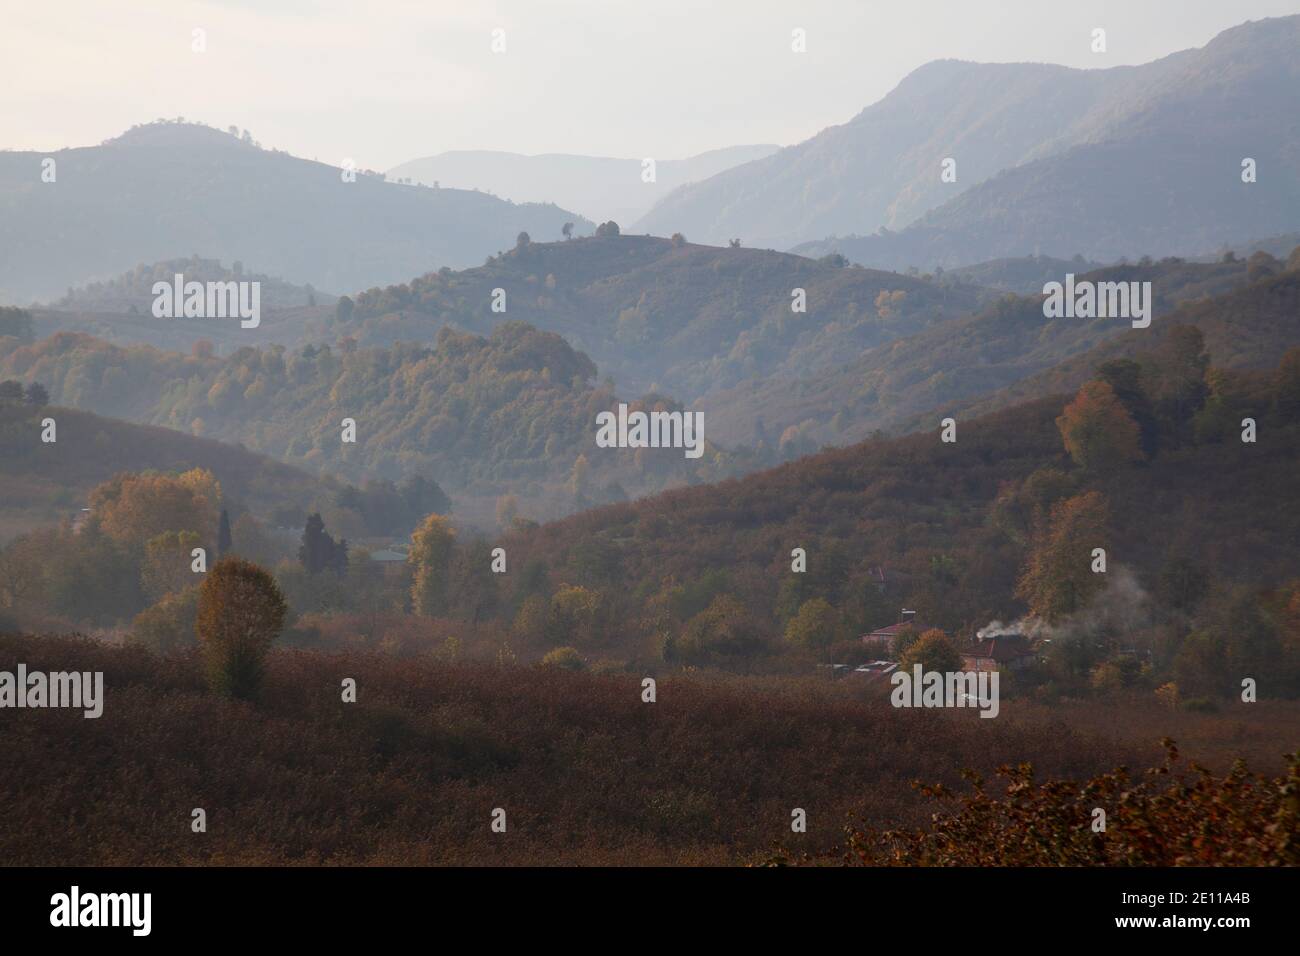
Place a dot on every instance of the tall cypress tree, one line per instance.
(224, 540)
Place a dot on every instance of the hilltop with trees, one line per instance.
(512, 413)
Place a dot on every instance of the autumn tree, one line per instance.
(507, 511)
(1125, 378)
(168, 625)
(432, 546)
(530, 620)
(240, 613)
(574, 616)
(723, 632)
(1098, 430)
(1058, 579)
(168, 564)
(1286, 382)
(565, 658)
(134, 508)
(934, 651)
(580, 479)
(817, 624)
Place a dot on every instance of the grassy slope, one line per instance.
(44, 483)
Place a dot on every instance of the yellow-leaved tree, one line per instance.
(432, 545)
(241, 611)
(1098, 430)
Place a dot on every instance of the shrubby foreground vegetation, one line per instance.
(411, 772)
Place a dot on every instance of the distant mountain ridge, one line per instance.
(167, 189)
(598, 187)
(1125, 161)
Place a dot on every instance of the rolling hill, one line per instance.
(47, 482)
(667, 313)
(167, 189)
(889, 387)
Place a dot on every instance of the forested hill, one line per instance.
(667, 313)
(510, 414)
(1247, 328)
(904, 384)
(1149, 464)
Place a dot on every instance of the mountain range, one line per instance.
(597, 187)
(1124, 161)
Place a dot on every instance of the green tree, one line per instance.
(319, 551)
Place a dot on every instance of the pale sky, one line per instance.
(385, 81)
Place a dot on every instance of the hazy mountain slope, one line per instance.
(966, 357)
(291, 328)
(597, 187)
(120, 310)
(1160, 174)
(882, 168)
(1153, 139)
(167, 189)
(678, 316)
(46, 482)
(1023, 275)
(132, 291)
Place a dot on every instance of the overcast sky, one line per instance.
(384, 81)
